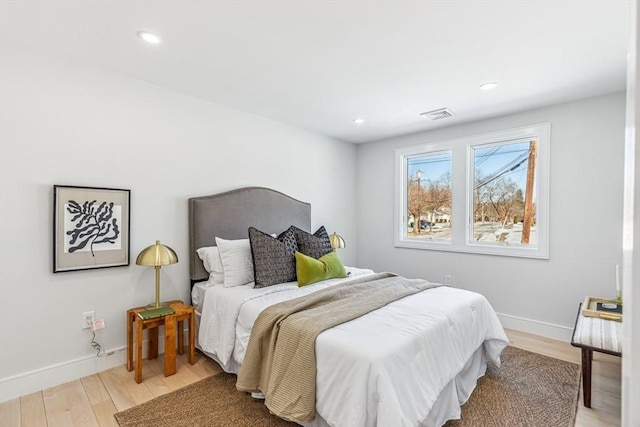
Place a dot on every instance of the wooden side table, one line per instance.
(595, 334)
(170, 322)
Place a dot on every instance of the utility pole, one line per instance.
(528, 198)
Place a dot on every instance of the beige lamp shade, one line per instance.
(337, 242)
(156, 256)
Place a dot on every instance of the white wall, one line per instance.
(587, 140)
(69, 123)
(631, 234)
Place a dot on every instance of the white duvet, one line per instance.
(386, 368)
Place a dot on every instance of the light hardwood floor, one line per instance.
(92, 401)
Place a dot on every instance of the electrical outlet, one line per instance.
(88, 317)
(447, 279)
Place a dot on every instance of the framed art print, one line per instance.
(90, 228)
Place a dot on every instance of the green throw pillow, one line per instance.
(311, 270)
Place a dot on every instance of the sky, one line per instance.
(499, 160)
(432, 166)
(489, 161)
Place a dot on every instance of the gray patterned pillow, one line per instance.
(314, 245)
(273, 258)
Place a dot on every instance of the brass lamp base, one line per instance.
(152, 305)
(157, 303)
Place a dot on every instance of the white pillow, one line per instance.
(236, 261)
(216, 278)
(210, 256)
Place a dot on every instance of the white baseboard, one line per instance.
(536, 327)
(51, 376)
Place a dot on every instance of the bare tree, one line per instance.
(438, 196)
(518, 206)
(416, 203)
(427, 197)
(501, 194)
(482, 210)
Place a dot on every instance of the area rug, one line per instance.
(528, 390)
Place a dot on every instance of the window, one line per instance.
(429, 196)
(481, 194)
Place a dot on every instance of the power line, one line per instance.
(484, 157)
(423, 162)
(522, 150)
(509, 167)
(492, 152)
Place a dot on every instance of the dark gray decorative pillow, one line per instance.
(314, 245)
(273, 258)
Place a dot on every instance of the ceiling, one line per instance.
(320, 64)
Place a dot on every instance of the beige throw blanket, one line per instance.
(280, 360)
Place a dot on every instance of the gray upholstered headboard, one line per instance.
(229, 216)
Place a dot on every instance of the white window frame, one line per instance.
(462, 184)
(402, 155)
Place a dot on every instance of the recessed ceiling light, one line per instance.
(358, 121)
(488, 85)
(149, 37)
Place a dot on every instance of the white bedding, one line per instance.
(376, 370)
(197, 294)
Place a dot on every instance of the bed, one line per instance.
(412, 362)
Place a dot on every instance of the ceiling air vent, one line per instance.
(441, 113)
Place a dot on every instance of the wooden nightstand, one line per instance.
(594, 334)
(170, 322)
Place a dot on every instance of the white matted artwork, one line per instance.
(91, 227)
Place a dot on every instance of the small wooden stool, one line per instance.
(595, 334)
(171, 322)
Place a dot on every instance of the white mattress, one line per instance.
(410, 363)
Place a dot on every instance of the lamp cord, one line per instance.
(98, 347)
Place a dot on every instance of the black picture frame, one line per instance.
(90, 227)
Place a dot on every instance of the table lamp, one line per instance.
(337, 242)
(156, 256)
